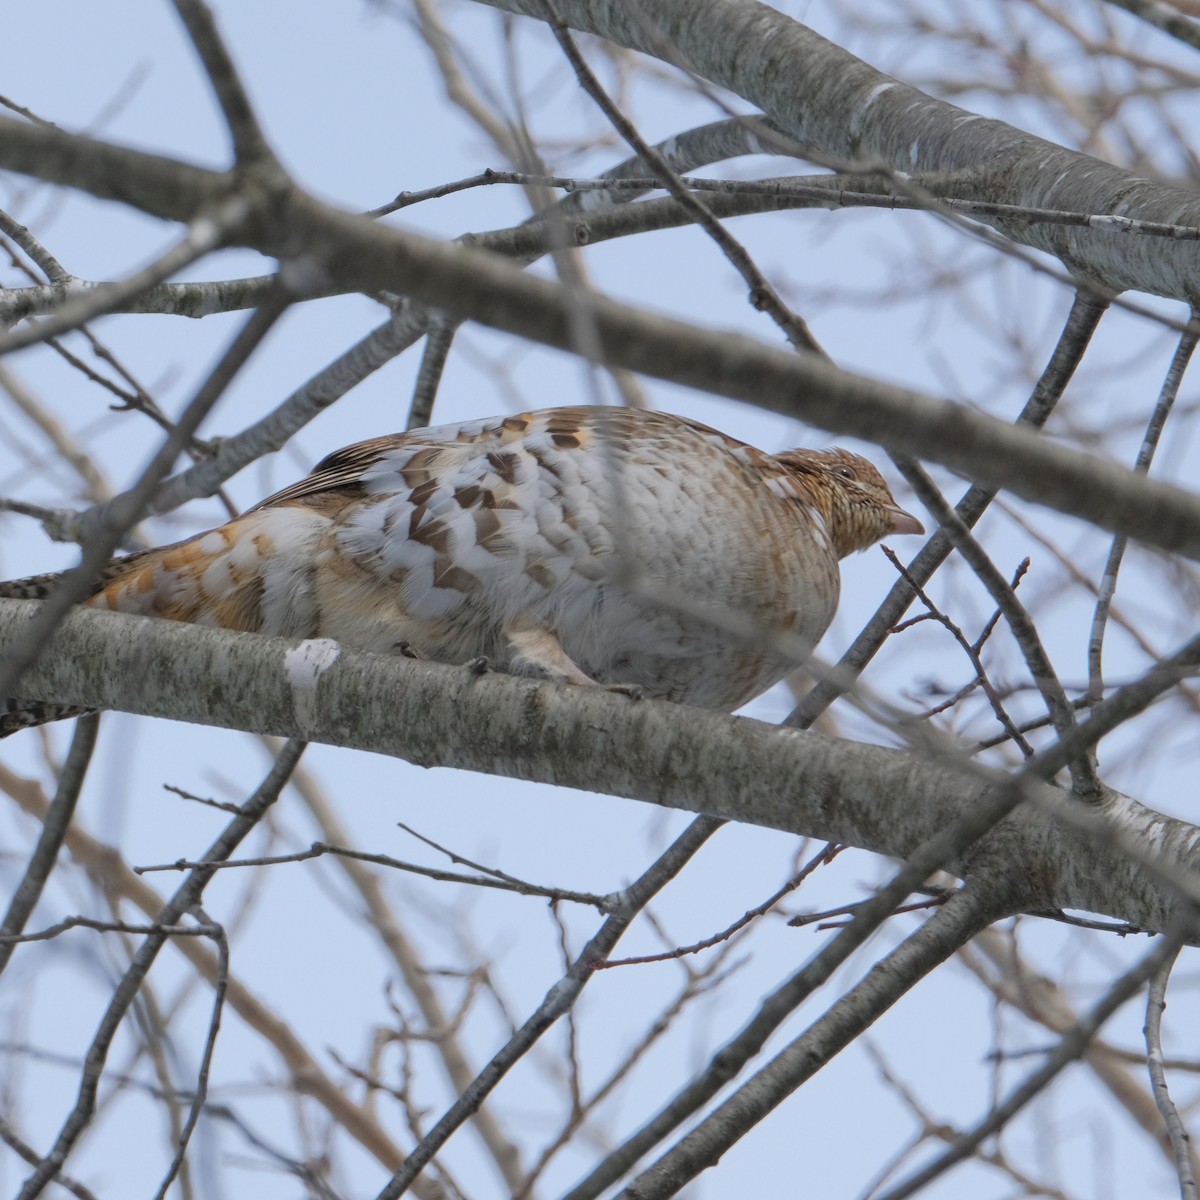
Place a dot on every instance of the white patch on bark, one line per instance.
(304, 665)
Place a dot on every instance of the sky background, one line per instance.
(348, 97)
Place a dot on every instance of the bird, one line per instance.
(620, 547)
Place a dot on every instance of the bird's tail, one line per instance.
(215, 578)
(17, 713)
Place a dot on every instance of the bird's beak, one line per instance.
(903, 522)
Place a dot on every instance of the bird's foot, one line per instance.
(478, 666)
(408, 650)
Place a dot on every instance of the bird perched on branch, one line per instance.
(607, 546)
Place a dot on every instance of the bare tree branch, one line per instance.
(122, 512)
(559, 1000)
(830, 100)
(185, 898)
(1071, 1047)
(369, 257)
(1156, 1003)
(299, 1063)
(670, 754)
(54, 829)
(948, 928)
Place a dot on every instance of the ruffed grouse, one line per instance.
(594, 545)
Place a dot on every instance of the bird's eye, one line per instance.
(845, 472)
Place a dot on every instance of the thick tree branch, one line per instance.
(249, 144)
(843, 108)
(889, 801)
(964, 914)
(362, 255)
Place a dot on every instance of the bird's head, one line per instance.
(857, 505)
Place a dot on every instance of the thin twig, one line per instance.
(1108, 581)
(763, 295)
(931, 1128)
(1084, 779)
(1072, 568)
(698, 983)
(1071, 1046)
(210, 1043)
(560, 999)
(825, 192)
(826, 855)
(1028, 726)
(54, 830)
(64, 443)
(185, 899)
(309, 1174)
(1181, 1142)
(494, 879)
(823, 922)
(225, 806)
(969, 649)
(1081, 324)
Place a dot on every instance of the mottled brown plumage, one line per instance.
(593, 545)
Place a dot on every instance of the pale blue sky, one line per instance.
(347, 96)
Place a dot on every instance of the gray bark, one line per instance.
(840, 107)
(1121, 858)
(321, 242)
